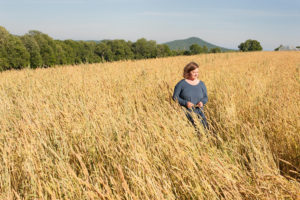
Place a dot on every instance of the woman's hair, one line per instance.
(188, 68)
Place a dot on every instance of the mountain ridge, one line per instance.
(184, 44)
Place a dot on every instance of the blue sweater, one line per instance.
(185, 92)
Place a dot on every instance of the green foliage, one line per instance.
(60, 53)
(163, 50)
(47, 48)
(4, 65)
(215, 50)
(120, 50)
(144, 49)
(250, 45)
(205, 49)
(104, 51)
(195, 49)
(186, 53)
(34, 50)
(13, 54)
(86, 51)
(18, 57)
(72, 49)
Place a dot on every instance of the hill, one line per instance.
(186, 43)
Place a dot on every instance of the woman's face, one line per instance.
(194, 74)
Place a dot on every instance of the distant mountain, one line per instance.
(186, 43)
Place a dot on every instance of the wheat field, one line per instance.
(112, 130)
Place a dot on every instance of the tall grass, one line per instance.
(112, 130)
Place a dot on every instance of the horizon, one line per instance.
(225, 24)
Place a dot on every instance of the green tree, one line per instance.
(215, 50)
(186, 53)
(179, 52)
(18, 57)
(47, 48)
(195, 49)
(163, 50)
(60, 53)
(4, 35)
(144, 49)
(13, 54)
(72, 50)
(3, 60)
(250, 45)
(34, 50)
(128, 50)
(205, 49)
(120, 49)
(86, 51)
(104, 51)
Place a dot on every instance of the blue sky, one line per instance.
(226, 23)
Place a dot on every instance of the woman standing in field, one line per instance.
(191, 93)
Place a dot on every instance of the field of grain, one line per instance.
(112, 130)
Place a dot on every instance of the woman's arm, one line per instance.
(176, 96)
(205, 98)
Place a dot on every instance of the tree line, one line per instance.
(36, 49)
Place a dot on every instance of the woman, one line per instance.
(191, 93)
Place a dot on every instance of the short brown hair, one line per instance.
(188, 68)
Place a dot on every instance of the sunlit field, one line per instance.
(112, 130)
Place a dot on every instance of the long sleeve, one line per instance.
(176, 96)
(205, 98)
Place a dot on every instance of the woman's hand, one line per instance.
(200, 104)
(189, 104)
